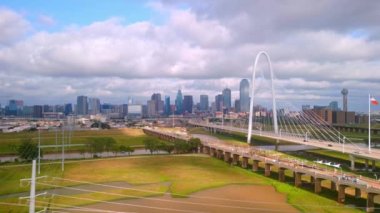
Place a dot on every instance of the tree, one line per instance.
(181, 146)
(169, 148)
(109, 143)
(194, 143)
(28, 150)
(150, 144)
(127, 149)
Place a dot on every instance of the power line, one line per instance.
(191, 196)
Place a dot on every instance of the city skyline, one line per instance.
(138, 48)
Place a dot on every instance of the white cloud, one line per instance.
(12, 26)
(202, 49)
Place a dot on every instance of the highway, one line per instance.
(351, 149)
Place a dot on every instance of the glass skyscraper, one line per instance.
(178, 103)
(227, 98)
(244, 95)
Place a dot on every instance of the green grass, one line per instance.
(10, 141)
(186, 174)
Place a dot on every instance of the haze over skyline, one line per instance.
(50, 53)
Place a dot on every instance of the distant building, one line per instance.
(159, 104)
(93, 106)
(125, 109)
(15, 108)
(227, 98)
(37, 111)
(305, 107)
(68, 109)
(244, 96)
(219, 102)
(135, 111)
(323, 113)
(342, 117)
(82, 105)
(333, 106)
(188, 103)
(203, 105)
(179, 103)
(151, 108)
(167, 110)
(344, 94)
(339, 117)
(238, 106)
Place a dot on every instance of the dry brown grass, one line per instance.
(132, 132)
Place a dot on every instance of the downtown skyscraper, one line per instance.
(179, 103)
(244, 96)
(82, 105)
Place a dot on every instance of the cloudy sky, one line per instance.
(52, 52)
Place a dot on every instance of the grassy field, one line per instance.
(181, 175)
(127, 137)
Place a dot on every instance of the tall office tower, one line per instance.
(93, 106)
(37, 111)
(159, 104)
(178, 103)
(152, 112)
(167, 105)
(82, 105)
(237, 106)
(345, 93)
(244, 96)
(15, 108)
(227, 98)
(204, 103)
(68, 109)
(188, 103)
(219, 102)
(125, 110)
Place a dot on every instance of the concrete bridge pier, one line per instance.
(235, 159)
(298, 179)
(312, 179)
(358, 193)
(227, 157)
(333, 186)
(244, 162)
(219, 154)
(281, 174)
(341, 193)
(318, 185)
(352, 159)
(366, 164)
(370, 202)
(267, 169)
(206, 150)
(213, 152)
(200, 149)
(255, 165)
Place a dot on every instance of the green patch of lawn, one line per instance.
(10, 141)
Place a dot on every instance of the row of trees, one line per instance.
(29, 150)
(178, 146)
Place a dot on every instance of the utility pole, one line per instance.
(39, 150)
(63, 147)
(32, 196)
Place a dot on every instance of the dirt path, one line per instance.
(232, 198)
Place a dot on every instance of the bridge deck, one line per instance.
(345, 148)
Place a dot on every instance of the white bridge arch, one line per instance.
(252, 91)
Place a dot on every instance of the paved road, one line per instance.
(345, 148)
